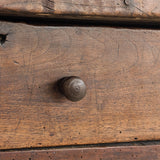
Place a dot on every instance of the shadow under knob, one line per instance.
(73, 88)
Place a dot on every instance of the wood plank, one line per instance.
(138, 10)
(119, 66)
(110, 153)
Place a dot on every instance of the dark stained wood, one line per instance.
(90, 9)
(110, 153)
(120, 67)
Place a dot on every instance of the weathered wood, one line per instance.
(120, 67)
(91, 9)
(110, 153)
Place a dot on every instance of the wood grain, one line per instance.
(120, 67)
(110, 153)
(90, 9)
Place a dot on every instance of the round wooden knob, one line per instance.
(73, 88)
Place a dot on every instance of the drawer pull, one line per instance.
(73, 88)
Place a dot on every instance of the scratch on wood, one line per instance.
(131, 3)
(48, 5)
(17, 125)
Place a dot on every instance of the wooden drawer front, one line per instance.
(121, 68)
(91, 9)
(110, 153)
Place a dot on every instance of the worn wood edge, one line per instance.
(8, 13)
(107, 153)
(102, 9)
(101, 145)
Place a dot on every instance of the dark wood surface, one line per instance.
(90, 9)
(120, 67)
(110, 153)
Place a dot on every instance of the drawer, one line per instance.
(121, 70)
(137, 10)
